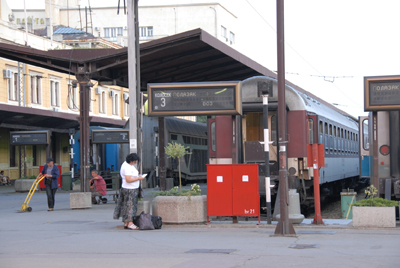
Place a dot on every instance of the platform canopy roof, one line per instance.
(191, 56)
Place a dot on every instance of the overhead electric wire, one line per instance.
(321, 75)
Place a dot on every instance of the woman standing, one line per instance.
(51, 173)
(128, 198)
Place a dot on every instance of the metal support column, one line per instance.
(375, 164)
(284, 227)
(161, 132)
(84, 130)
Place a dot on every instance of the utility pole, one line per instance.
(284, 227)
(133, 142)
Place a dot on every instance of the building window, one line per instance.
(102, 102)
(13, 158)
(126, 105)
(91, 100)
(12, 87)
(72, 96)
(55, 93)
(112, 33)
(223, 31)
(145, 32)
(115, 104)
(36, 89)
(232, 38)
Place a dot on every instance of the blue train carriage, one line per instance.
(102, 156)
(309, 120)
(188, 133)
(386, 149)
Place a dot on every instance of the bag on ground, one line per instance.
(157, 222)
(145, 222)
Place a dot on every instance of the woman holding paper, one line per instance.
(128, 198)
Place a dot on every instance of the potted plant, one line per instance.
(177, 150)
(178, 206)
(374, 212)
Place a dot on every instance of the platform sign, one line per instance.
(381, 93)
(110, 136)
(30, 137)
(211, 98)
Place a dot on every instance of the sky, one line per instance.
(330, 44)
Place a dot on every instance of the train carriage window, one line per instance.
(335, 139)
(321, 132)
(311, 131)
(326, 138)
(274, 138)
(330, 138)
(174, 137)
(213, 136)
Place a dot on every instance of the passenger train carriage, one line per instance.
(386, 148)
(309, 120)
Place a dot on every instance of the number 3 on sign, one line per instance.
(162, 102)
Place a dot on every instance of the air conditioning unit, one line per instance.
(97, 28)
(56, 109)
(126, 96)
(98, 91)
(112, 94)
(7, 73)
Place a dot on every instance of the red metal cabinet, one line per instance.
(43, 186)
(232, 190)
(246, 198)
(219, 190)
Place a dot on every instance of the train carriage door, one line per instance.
(221, 140)
(364, 147)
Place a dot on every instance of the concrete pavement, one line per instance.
(91, 238)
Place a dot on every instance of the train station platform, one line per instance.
(91, 238)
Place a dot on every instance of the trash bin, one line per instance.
(66, 181)
(347, 198)
(116, 180)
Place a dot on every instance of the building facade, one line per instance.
(53, 95)
(155, 21)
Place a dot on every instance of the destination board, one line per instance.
(195, 99)
(29, 137)
(382, 93)
(110, 136)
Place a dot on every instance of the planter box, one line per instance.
(180, 210)
(374, 216)
(80, 200)
(23, 185)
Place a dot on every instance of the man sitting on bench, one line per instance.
(97, 187)
(4, 179)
